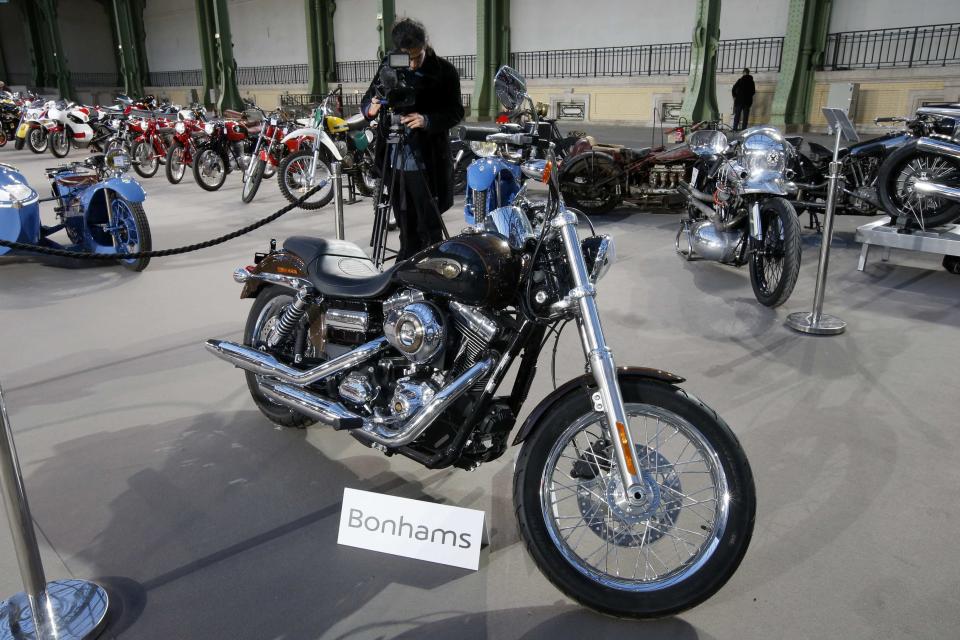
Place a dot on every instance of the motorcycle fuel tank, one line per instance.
(476, 269)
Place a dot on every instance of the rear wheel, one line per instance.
(653, 556)
(145, 161)
(38, 140)
(952, 264)
(209, 169)
(252, 183)
(775, 261)
(264, 315)
(896, 179)
(175, 167)
(3, 138)
(294, 177)
(592, 182)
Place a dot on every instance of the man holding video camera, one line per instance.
(419, 90)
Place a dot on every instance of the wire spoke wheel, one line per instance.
(924, 167)
(298, 175)
(775, 257)
(635, 545)
(592, 183)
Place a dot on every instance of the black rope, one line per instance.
(63, 253)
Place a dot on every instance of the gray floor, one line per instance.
(149, 468)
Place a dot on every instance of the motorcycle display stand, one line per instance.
(816, 322)
(58, 610)
(883, 233)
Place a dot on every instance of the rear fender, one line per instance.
(280, 267)
(586, 384)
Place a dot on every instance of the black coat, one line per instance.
(743, 90)
(438, 98)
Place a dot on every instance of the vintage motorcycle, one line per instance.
(737, 211)
(330, 139)
(599, 177)
(879, 173)
(633, 497)
(98, 207)
(226, 147)
(9, 116)
(67, 126)
(268, 152)
(187, 131)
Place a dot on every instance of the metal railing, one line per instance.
(921, 46)
(188, 78)
(640, 60)
(465, 64)
(17, 79)
(357, 70)
(273, 74)
(756, 54)
(95, 79)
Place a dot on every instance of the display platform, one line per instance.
(942, 240)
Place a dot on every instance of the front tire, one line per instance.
(60, 143)
(252, 184)
(293, 179)
(175, 168)
(701, 494)
(145, 161)
(775, 260)
(19, 143)
(269, 304)
(209, 169)
(131, 233)
(38, 140)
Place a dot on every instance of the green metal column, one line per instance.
(321, 49)
(229, 97)
(700, 101)
(493, 51)
(803, 49)
(127, 47)
(206, 31)
(140, 38)
(386, 15)
(4, 73)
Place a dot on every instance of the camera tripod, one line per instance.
(383, 204)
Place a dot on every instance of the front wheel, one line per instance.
(3, 138)
(209, 169)
(638, 558)
(130, 231)
(593, 183)
(60, 143)
(775, 260)
(895, 185)
(19, 143)
(297, 175)
(252, 183)
(175, 167)
(38, 140)
(145, 161)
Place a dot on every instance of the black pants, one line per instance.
(416, 212)
(741, 115)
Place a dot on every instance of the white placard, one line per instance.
(411, 528)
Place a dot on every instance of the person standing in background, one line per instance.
(743, 91)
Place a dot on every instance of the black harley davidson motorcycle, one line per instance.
(880, 173)
(633, 497)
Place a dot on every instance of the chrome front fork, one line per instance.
(608, 398)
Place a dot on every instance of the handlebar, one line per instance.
(477, 134)
(517, 139)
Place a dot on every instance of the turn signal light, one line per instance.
(625, 446)
(547, 170)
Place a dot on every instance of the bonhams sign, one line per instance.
(411, 528)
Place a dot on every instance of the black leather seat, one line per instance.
(339, 268)
(638, 153)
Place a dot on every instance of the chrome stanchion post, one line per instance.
(817, 322)
(338, 199)
(61, 610)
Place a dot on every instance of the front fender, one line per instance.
(128, 188)
(587, 384)
(319, 134)
(481, 173)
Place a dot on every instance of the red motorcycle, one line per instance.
(149, 145)
(268, 152)
(188, 134)
(227, 148)
(597, 178)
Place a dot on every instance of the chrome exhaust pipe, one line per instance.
(942, 147)
(264, 364)
(337, 416)
(934, 189)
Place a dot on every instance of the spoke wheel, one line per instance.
(38, 140)
(145, 161)
(175, 167)
(775, 260)
(898, 175)
(60, 143)
(592, 183)
(129, 231)
(294, 177)
(209, 170)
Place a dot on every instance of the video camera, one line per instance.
(394, 85)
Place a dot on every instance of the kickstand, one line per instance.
(814, 222)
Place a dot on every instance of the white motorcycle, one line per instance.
(67, 124)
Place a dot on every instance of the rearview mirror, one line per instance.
(511, 88)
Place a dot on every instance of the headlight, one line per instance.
(599, 253)
(484, 149)
(208, 128)
(16, 195)
(763, 153)
(180, 128)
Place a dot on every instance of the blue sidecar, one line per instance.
(98, 207)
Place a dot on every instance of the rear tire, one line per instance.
(952, 264)
(592, 183)
(775, 261)
(895, 187)
(269, 303)
(292, 179)
(593, 480)
(3, 138)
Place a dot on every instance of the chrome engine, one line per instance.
(708, 242)
(415, 329)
